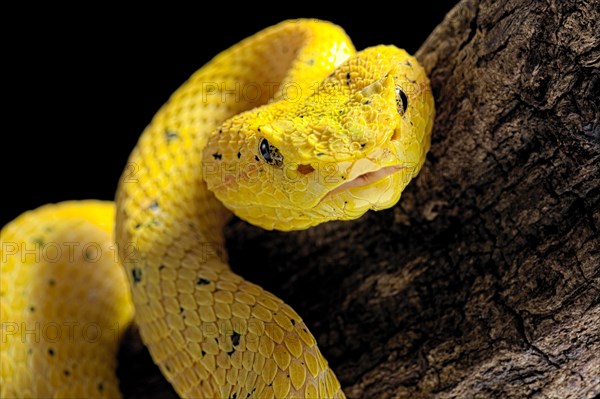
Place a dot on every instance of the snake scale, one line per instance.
(287, 129)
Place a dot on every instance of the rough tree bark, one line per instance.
(484, 281)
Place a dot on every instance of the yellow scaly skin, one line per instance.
(316, 152)
(64, 303)
(278, 166)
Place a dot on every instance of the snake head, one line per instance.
(350, 145)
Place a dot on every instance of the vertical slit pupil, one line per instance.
(403, 98)
(264, 150)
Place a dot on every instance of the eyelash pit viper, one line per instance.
(287, 129)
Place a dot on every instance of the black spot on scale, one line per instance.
(362, 145)
(153, 205)
(136, 273)
(239, 154)
(348, 80)
(203, 353)
(51, 282)
(171, 135)
(256, 158)
(234, 396)
(235, 338)
(100, 386)
(51, 351)
(217, 156)
(408, 63)
(66, 372)
(293, 322)
(230, 352)
(202, 281)
(32, 309)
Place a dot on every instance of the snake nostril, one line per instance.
(395, 135)
(305, 169)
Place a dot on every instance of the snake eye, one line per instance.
(270, 153)
(401, 99)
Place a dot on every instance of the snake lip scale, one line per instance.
(365, 179)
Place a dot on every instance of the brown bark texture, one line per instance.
(484, 280)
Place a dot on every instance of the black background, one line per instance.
(83, 87)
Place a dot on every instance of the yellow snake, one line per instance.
(287, 129)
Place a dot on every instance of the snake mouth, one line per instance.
(364, 180)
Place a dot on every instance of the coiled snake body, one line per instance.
(287, 129)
